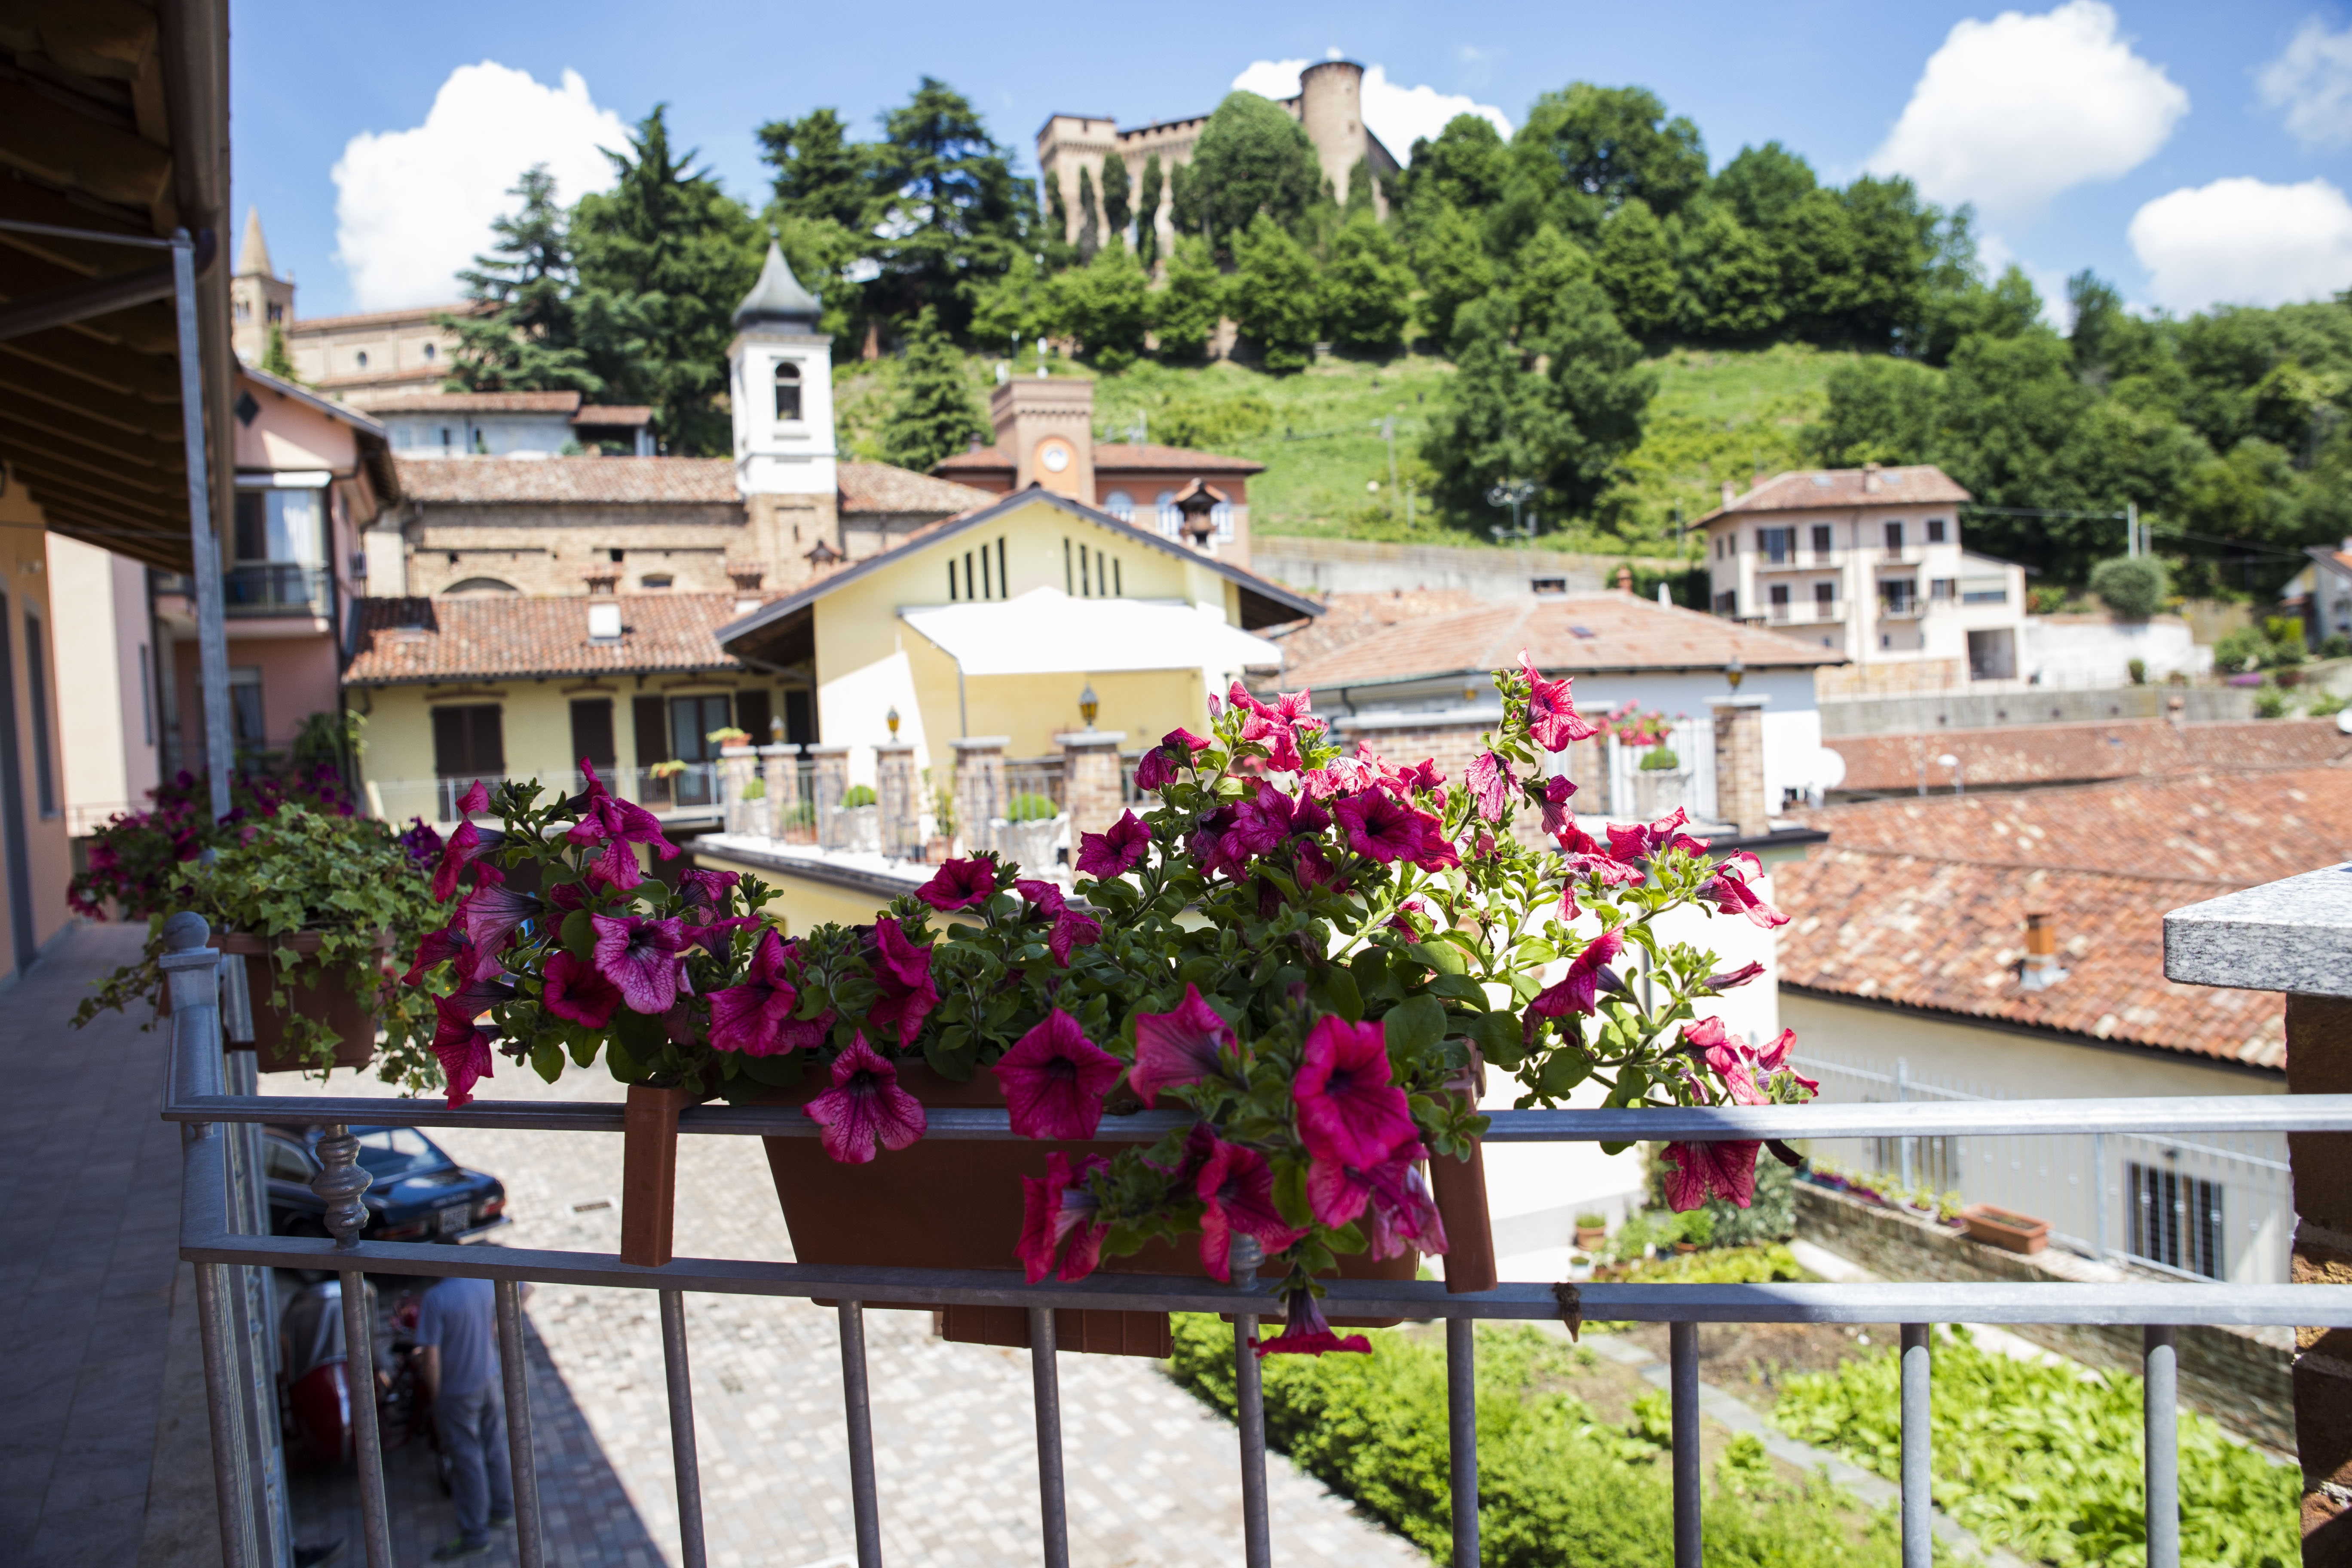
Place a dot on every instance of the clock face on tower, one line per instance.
(1058, 465)
(1054, 454)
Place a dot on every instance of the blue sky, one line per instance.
(2193, 153)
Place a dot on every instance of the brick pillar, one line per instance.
(831, 782)
(1090, 780)
(777, 777)
(2319, 1061)
(1739, 794)
(736, 765)
(902, 802)
(979, 791)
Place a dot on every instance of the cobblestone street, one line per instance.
(1152, 1474)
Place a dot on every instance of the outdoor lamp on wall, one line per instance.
(1735, 671)
(891, 719)
(1088, 706)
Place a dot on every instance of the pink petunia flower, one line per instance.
(1262, 820)
(448, 943)
(614, 823)
(1160, 764)
(1347, 1109)
(462, 847)
(903, 971)
(960, 884)
(1402, 1208)
(1490, 783)
(751, 1017)
(1579, 989)
(1043, 898)
(1774, 1060)
(1727, 1056)
(865, 1107)
(1727, 1170)
(1071, 930)
(1731, 979)
(1116, 850)
(1054, 1079)
(465, 1061)
(1215, 847)
(640, 957)
(475, 799)
(1172, 1050)
(1306, 1332)
(491, 913)
(1236, 1187)
(1551, 717)
(706, 892)
(1382, 827)
(575, 990)
(1056, 1208)
(1728, 891)
(1556, 815)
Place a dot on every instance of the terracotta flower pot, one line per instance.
(649, 1171)
(943, 1204)
(320, 994)
(2010, 1232)
(1592, 1238)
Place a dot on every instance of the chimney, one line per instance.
(602, 575)
(746, 575)
(1624, 579)
(2040, 971)
(1870, 479)
(1739, 795)
(1728, 492)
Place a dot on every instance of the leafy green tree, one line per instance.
(1636, 256)
(1252, 159)
(275, 360)
(1090, 219)
(1881, 410)
(1009, 310)
(1361, 184)
(1147, 215)
(1118, 212)
(1366, 286)
(1453, 267)
(1273, 292)
(1056, 248)
(955, 214)
(1895, 242)
(1586, 150)
(1762, 184)
(1105, 305)
(663, 258)
(1465, 168)
(817, 171)
(1733, 279)
(1543, 276)
(528, 340)
(1185, 312)
(933, 415)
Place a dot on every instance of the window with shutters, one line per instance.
(592, 731)
(800, 719)
(650, 720)
(468, 742)
(753, 710)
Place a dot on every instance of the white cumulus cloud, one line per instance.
(1397, 114)
(2009, 112)
(2245, 242)
(2312, 82)
(413, 207)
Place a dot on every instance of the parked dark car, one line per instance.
(418, 1193)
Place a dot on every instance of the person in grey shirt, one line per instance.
(457, 1363)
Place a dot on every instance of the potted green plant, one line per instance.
(1592, 1231)
(1315, 954)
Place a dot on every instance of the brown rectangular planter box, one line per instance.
(321, 995)
(2010, 1232)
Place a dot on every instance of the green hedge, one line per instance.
(1555, 1487)
(2046, 1460)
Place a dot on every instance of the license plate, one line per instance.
(453, 1219)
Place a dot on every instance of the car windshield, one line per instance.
(388, 1154)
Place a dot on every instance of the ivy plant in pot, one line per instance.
(1315, 954)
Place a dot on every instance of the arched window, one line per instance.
(1121, 505)
(363, 359)
(788, 391)
(472, 587)
(1172, 522)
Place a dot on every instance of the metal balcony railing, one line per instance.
(264, 588)
(220, 1232)
(1905, 609)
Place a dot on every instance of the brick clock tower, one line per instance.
(780, 371)
(1046, 428)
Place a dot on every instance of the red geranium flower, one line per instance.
(960, 884)
(1054, 1079)
(1172, 1050)
(1348, 1109)
(1551, 716)
(575, 990)
(751, 1017)
(1237, 1186)
(865, 1107)
(1306, 1332)
(1056, 1208)
(903, 971)
(1115, 852)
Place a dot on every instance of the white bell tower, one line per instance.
(780, 371)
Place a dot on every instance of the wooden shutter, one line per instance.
(468, 743)
(650, 716)
(592, 731)
(752, 710)
(800, 719)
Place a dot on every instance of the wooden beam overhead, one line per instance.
(51, 142)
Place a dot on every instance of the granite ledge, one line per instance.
(2295, 934)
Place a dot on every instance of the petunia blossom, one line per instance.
(491, 913)
(475, 799)
(1552, 717)
(705, 892)
(1071, 930)
(1730, 979)
(1725, 1170)
(435, 947)
(1347, 1109)
(1557, 789)
(751, 1017)
(1726, 1056)
(960, 884)
(1115, 852)
(1172, 1050)
(465, 1059)
(607, 819)
(1235, 1186)
(1262, 820)
(640, 956)
(1215, 847)
(1579, 989)
(903, 972)
(576, 990)
(462, 849)
(1382, 827)
(1045, 899)
(1729, 892)
(1306, 1332)
(1774, 1060)
(1054, 1079)
(865, 1107)
(1057, 1208)
(1160, 764)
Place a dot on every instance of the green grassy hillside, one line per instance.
(1717, 416)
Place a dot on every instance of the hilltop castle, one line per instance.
(1329, 103)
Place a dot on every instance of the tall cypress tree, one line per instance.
(1147, 215)
(1115, 188)
(528, 340)
(1089, 224)
(933, 415)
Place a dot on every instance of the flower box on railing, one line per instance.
(2000, 1227)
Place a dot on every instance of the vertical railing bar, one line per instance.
(528, 1545)
(683, 1459)
(1462, 1431)
(232, 1483)
(367, 1443)
(2161, 1387)
(1249, 1401)
(1682, 1376)
(1919, 1492)
(865, 1511)
(1044, 1376)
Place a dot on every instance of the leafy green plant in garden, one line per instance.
(1031, 806)
(1554, 1485)
(2046, 1460)
(856, 795)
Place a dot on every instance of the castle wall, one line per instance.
(540, 548)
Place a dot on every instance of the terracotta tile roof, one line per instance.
(387, 318)
(500, 636)
(1814, 490)
(1570, 634)
(1113, 455)
(882, 488)
(1350, 617)
(2077, 754)
(1922, 901)
(977, 457)
(613, 414)
(477, 403)
(490, 481)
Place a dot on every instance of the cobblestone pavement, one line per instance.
(1154, 1476)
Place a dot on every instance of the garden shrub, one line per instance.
(2133, 585)
(2046, 1459)
(856, 795)
(1029, 807)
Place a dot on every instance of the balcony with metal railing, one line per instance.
(258, 588)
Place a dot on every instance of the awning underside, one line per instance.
(1047, 632)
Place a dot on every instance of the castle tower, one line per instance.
(1330, 106)
(258, 299)
(780, 382)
